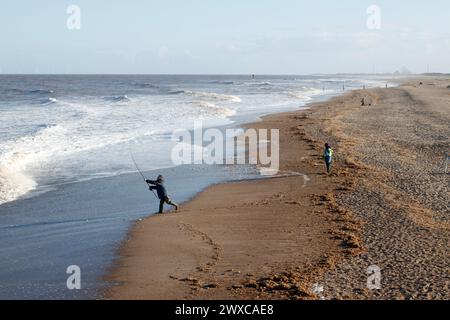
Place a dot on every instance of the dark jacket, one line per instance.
(159, 187)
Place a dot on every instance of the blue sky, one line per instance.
(224, 36)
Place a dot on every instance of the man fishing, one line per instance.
(328, 157)
(161, 190)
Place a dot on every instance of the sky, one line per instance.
(224, 36)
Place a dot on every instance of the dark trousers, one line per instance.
(165, 200)
(328, 164)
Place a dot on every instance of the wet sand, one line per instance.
(386, 204)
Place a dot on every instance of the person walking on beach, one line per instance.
(161, 190)
(328, 157)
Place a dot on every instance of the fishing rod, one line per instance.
(142, 175)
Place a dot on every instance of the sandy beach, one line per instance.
(386, 203)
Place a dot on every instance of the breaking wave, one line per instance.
(210, 109)
(208, 95)
(15, 181)
(123, 98)
(49, 101)
(307, 94)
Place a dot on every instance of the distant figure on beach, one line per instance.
(328, 157)
(366, 102)
(158, 185)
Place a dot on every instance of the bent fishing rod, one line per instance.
(142, 175)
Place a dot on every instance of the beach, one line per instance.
(307, 235)
(69, 188)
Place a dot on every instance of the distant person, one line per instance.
(328, 157)
(158, 185)
(366, 101)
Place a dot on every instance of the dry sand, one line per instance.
(386, 204)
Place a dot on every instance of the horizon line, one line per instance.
(222, 74)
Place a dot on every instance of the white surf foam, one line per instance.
(209, 109)
(83, 139)
(208, 95)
